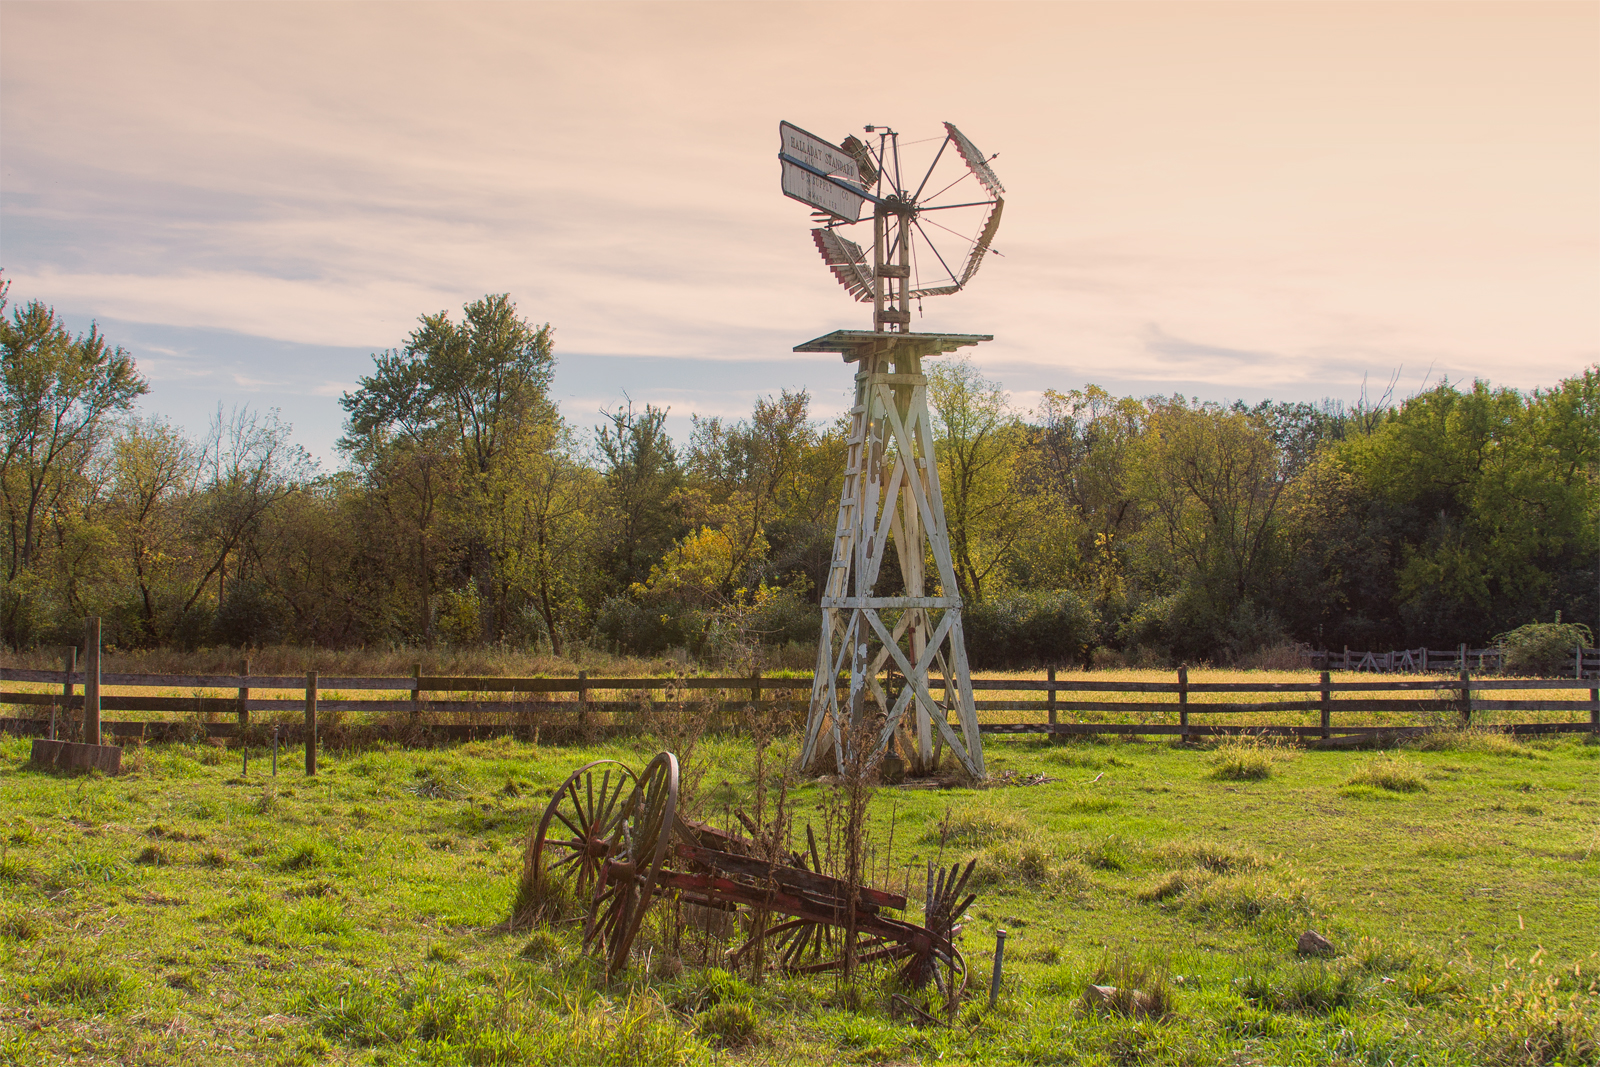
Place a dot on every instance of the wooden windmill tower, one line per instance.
(898, 640)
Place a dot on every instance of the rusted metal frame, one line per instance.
(795, 877)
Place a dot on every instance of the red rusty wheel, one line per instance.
(640, 839)
(570, 845)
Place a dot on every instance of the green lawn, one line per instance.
(183, 914)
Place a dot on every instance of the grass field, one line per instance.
(182, 913)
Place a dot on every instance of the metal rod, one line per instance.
(274, 752)
(999, 961)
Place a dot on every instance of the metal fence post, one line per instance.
(999, 960)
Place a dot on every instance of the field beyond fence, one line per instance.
(423, 708)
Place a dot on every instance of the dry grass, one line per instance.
(1394, 773)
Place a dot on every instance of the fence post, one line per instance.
(1327, 705)
(91, 680)
(1346, 657)
(311, 722)
(1577, 663)
(1461, 663)
(244, 694)
(416, 692)
(1466, 698)
(755, 688)
(1183, 701)
(583, 697)
(69, 663)
(1051, 701)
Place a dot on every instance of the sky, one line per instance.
(1225, 200)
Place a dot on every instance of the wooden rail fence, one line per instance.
(1054, 701)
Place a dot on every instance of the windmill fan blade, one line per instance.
(979, 250)
(976, 161)
(848, 263)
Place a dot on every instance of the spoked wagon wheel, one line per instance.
(569, 846)
(627, 878)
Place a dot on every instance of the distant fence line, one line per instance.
(1585, 661)
(564, 702)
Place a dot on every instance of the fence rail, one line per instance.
(428, 700)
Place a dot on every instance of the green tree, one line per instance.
(978, 440)
(442, 415)
(58, 393)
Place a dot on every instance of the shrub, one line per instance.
(1027, 629)
(1543, 648)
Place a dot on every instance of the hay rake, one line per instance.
(613, 840)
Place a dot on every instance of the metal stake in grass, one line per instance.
(274, 752)
(999, 960)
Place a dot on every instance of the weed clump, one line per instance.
(982, 822)
(84, 983)
(1121, 985)
(542, 945)
(21, 927)
(1208, 855)
(1175, 884)
(1389, 772)
(155, 856)
(1314, 988)
(1250, 898)
(728, 1025)
(1242, 761)
(1474, 739)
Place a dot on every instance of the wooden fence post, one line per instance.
(755, 688)
(244, 694)
(1183, 701)
(416, 692)
(1051, 702)
(1461, 661)
(91, 680)
(1327, 705)
(1346, 657)
(583, 697)
(311, 722)
(1466, 696)
(69, 663)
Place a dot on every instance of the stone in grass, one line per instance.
(1312, 943)
(1123, 1001)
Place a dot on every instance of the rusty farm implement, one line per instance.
(612, 842)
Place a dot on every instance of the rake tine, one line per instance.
(964, 876)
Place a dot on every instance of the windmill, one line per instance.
(930, 230)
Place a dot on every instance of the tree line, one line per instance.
(470, 510)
